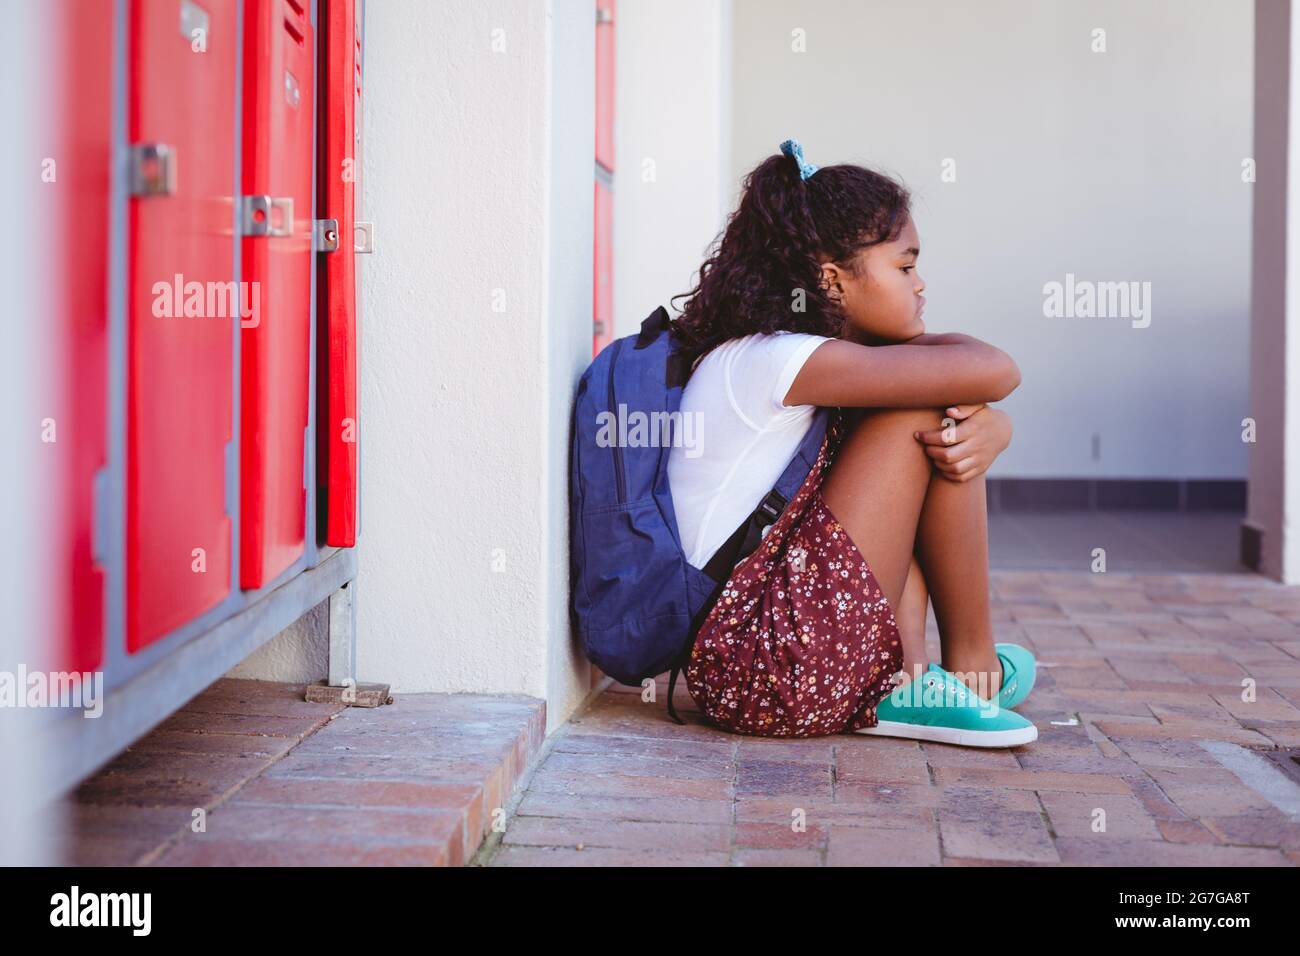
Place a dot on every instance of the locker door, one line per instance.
(275, 344)
(339, 180)
(603, 294)
(180, 344)
(79, 213)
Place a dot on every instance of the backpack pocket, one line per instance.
(631, 600)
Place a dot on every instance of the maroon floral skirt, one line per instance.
(801, 641)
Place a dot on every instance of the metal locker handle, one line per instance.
(257, 215)
(151, 170)
(325, 235)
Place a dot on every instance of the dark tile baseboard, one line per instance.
(1115, 494)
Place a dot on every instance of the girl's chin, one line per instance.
(911, 330)
(893, 335)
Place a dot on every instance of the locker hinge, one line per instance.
(230, 464)
(257, 215)
(102, 508)
(325, 235)
(151, 170)
(364, 241)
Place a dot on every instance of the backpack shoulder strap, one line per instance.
(745, 538)
(677, 369)
(651, 326)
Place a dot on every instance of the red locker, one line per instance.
(605, 83)
(339, 176)
(603, 295)
(275, 342)
(79, 197)
(180, 348)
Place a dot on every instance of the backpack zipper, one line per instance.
(613, 410)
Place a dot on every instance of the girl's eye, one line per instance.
(908, 268)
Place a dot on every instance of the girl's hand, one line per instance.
(965, 449)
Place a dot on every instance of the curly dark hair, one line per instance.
(773, 247)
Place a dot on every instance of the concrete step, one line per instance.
(249, 773)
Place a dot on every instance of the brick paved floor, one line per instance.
(281, 781)
(1147, 754)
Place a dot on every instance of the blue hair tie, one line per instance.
(791, 147)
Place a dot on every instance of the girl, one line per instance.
(812, 298)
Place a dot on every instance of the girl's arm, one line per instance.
(939, 338)
(950, 369)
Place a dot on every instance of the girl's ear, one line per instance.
(830, 280)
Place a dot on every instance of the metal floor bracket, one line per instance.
(341, 686)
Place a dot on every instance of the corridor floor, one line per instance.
(1163, 703)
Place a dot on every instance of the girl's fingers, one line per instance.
(962, 411)
(962, 470)
(954, 433)
(949, 454)
(941, 436)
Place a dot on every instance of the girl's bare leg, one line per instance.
(952, 545)
(910, 613)
(887, 495)
(876, 487)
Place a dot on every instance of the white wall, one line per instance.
(30, 495)
(298, 654)
(1115, 166)
(570, 278)
(478, 170)
(671, 146)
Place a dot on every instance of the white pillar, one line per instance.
(476, 322)
(30, 493)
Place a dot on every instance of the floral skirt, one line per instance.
(801, 641)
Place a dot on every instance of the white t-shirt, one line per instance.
(744, 435)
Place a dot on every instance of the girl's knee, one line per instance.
(905, 420)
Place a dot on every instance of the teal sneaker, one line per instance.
(938, 707)
(1018, 672)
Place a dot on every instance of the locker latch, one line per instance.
(151, 170)
(364, 241)
(325, 235)
(257, 215)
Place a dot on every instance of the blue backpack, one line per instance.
(637, 603)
